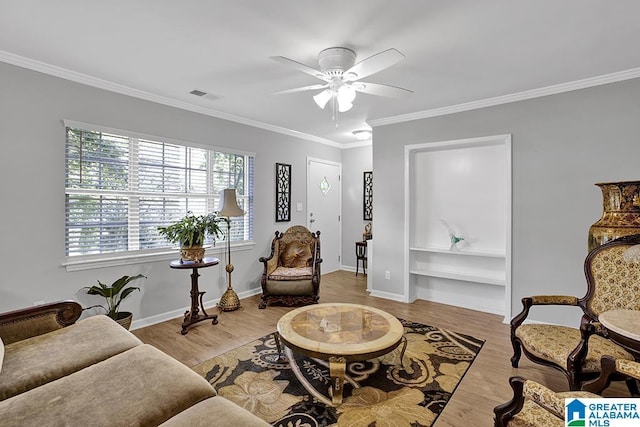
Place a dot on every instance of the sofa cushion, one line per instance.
(215, 411)
(139, 387)
(295, 254)
(38, 360)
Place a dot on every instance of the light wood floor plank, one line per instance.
(484, 386)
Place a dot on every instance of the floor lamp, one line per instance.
(227, 209)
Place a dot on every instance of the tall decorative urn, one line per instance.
(621, 212)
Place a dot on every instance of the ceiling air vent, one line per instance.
(197, 92)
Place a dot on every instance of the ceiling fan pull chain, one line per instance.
(334, 110)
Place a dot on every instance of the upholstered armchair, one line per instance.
(612, 283)
(535, 405)
(291, 273)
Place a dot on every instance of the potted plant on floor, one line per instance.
(114, 294)
(190, 233)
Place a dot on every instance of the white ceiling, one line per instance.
(457, 51)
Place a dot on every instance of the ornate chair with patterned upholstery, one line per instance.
(612, 283)
(291, 273)
(535, 405)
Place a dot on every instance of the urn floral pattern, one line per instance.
(621, 212)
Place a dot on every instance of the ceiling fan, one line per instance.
(341, 76)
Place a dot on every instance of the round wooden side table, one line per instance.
(193, 315)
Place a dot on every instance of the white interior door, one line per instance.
(324, 196)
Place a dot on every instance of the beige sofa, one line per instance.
(54, 371)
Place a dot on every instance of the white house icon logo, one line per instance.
(575, 414)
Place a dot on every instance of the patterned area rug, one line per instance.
(383, 391)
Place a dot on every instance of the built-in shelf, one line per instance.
(463, 251)
(475, 203)
(496, 279)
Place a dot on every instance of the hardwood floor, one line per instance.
(485, 385)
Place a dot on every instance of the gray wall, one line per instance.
(562, 145)
(32, 135)
(354, 162)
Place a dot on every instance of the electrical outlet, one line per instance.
(387, 275)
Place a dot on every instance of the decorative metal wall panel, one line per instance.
(283, 192)
(367, 207)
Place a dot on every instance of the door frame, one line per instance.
(339, 165)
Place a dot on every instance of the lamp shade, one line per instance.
(345, 95)
(322, 98)
(228, 205)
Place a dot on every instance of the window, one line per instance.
(121, 187)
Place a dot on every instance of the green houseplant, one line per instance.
(190, 233)
(114, 294)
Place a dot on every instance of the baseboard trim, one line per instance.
(174, 314)
(467, 306)
(387, 295)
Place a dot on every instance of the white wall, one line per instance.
(355, 161)
(32, 135)
(562, 145)
(465, 187)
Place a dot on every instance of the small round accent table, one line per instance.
(340, 333)
(193, 315)
(623, 327)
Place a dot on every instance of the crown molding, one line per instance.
(514, 97)
(85, 79)
(358, 144)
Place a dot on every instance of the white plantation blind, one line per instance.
(120, 188)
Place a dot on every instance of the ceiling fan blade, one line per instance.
(300, 67)
(302, 89)
(381, 90)
(373, 64)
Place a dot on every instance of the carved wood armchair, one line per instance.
(535, 405)
(612, 283)
(291, 273)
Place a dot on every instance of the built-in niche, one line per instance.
(458, 225)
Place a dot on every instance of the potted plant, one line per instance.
(190, 233)
(114, 294)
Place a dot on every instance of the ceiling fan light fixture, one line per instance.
(362, 134)
(344, 106)
(345, 96)
(322, 98)
(341, 76)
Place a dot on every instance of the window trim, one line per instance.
(139, 135)
(90, 262)
(86, 262)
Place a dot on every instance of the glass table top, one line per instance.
(340, 328)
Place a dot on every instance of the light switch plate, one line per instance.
(298, 207)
